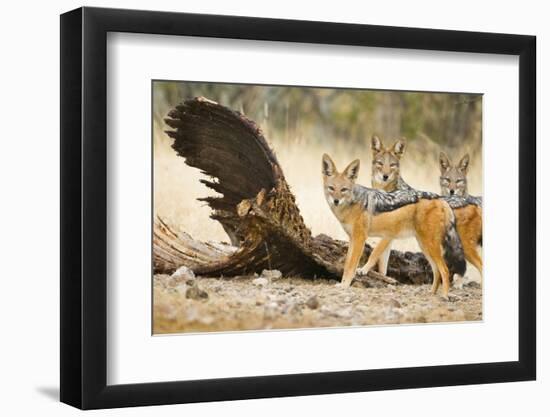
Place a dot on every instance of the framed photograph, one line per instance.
(257, 208)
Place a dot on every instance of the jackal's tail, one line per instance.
(452, 246)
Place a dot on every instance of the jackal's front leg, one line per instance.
(383, 260)
(355, 250)
(374, 256)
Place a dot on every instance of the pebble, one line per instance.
(271, 274)
(260, 282)
(394, 303)
(195, 293)
(183, 274)
(313, 302)
(459, 282)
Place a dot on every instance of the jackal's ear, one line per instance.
(328, 168)
(375, 144)
(352, 170)
(399, 147)
(463, 164)
(444, 163)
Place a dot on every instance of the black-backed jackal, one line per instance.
(454, 182)
(386, 176)
(365, 212)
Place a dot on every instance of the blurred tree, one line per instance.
(290, 113)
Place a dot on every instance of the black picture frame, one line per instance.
(84, 207)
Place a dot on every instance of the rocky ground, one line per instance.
(183, 303)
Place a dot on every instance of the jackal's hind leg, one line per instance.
(435, 270)
(472, 255)
(436, 275)
(383, 261)
(436, 282)
(444, 274)
(434, 254)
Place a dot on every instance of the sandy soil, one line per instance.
(186, 304)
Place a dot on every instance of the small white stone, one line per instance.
(183, 273)
(271, 274)
(260, 282)
(459, 282)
